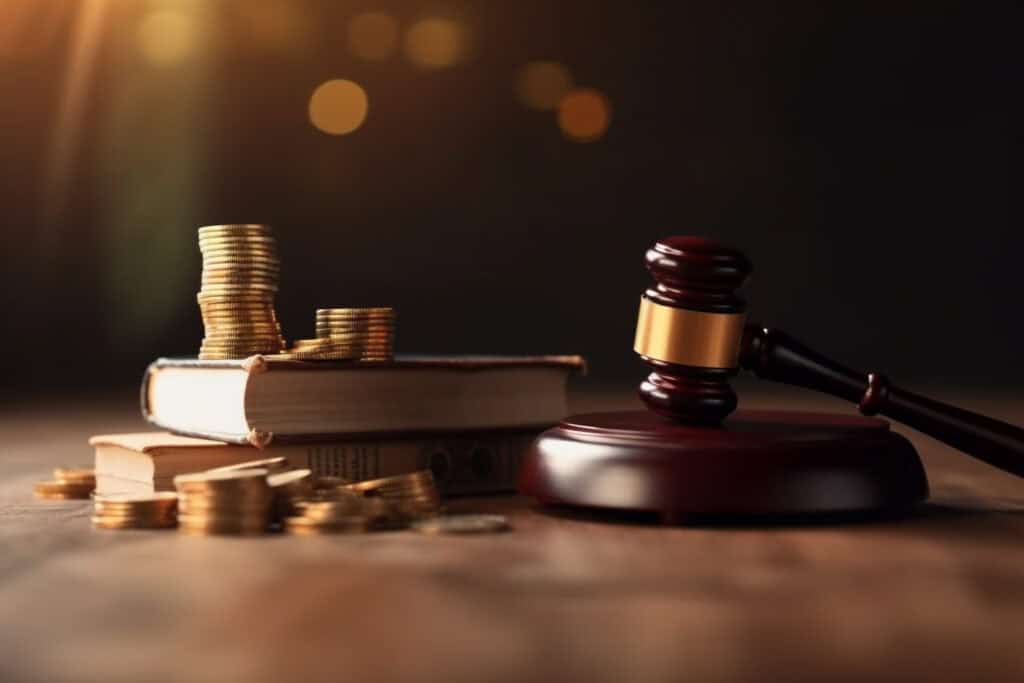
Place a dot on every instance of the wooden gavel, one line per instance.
(692, 332)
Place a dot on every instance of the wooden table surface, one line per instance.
(936, 596)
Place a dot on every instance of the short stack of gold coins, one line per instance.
(231, 502)
(69, 483)
(288, 488)
(327, 511)
(157, 510)
(363, 334)
(239, 282)
(414, 495)
(378, 504)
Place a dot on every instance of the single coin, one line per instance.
(286, 478)
(245, 239)
(264, 330)
(323, 355)
(83, 474)
(346, 311)
(328, 482)
(357, 337)
(230, 477)
(157, 497)
(239, 288)
(240, 315)
(228, 276)
(250, 300)
(336, 525)
(228, 342)
(222, 275)
(63, 490)
(377, 333)
(241, 264)
(462, 524)
(311, 344)
(235, 226)
(101, 522)
(237, 339)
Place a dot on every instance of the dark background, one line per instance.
(868, 162)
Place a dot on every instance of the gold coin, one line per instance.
(239, 288)
(241, 316)
(311, 343)
(229, 276)
(236, 323)
(462, 524)
(301, 525)
(217, 353)
(59, 490)
(223, 313)
(240, 336)
(232, 227)
(83, 474)
(216, 335)
(242, 262)
(238, 340)
(322, 355)
(108, 523)
(288, 478)
(240, 236)
(249, 300)
(361, 311)
(357, 337)
(229, 478)
(155, 498)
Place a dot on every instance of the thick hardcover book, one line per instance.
(463, 463)
(261, 400)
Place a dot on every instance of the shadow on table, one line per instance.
(928, 512)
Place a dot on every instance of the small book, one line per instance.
(463, 463)
(261, 400)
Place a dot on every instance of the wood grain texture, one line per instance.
(936, 596)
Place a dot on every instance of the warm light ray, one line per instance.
(85, 39)
(28, 27)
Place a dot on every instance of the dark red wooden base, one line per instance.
(755, 463)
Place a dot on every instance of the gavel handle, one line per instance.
(774, 355)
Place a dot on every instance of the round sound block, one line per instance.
(756, 463)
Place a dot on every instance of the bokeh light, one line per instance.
(584, 115)
(541, 85)
(435, 43)
(168, 37)
(276, 24)
(338, 107)
(373, 36)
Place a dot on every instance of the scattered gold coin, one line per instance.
(462, 524)
(69, 483)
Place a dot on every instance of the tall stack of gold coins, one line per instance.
(231, 502)
(364, 334)
(240, 276)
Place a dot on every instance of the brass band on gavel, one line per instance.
(684, 337)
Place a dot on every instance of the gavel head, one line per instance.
(690, 328)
